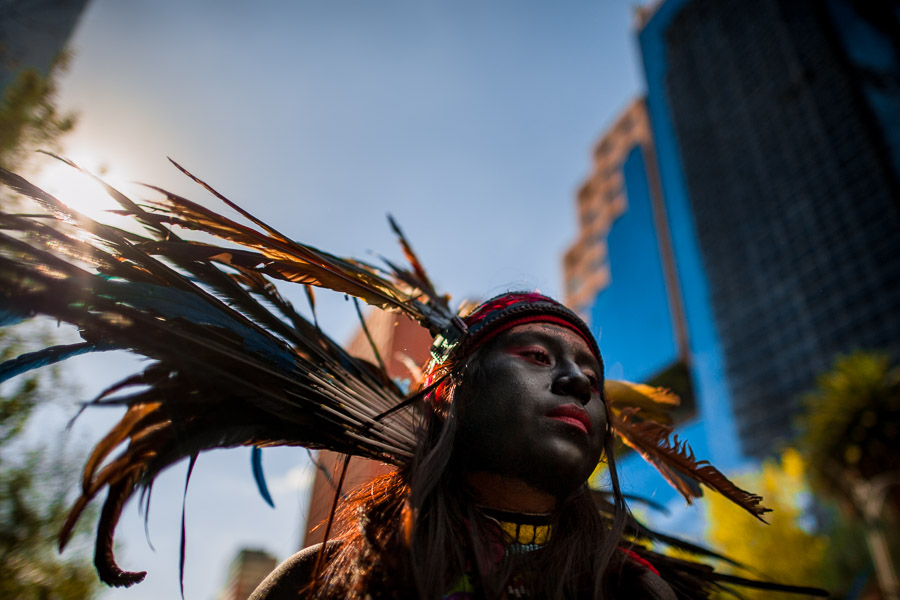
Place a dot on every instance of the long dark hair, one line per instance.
(415, 532)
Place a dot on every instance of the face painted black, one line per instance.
(535, 413)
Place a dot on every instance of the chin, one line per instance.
(561, 488)
(555, 465)
(559, 477)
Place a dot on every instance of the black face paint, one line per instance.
(536, 413)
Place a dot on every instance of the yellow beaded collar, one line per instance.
(522, 528)
(525, 534)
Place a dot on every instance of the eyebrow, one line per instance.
(582, 355)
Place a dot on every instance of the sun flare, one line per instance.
(79, 190)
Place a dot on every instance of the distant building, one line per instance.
(403, 345)
(33, 33)
(777, 129)
(247, 571)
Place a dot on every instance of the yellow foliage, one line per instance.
(781, 551)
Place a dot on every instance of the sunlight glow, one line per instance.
(79, 190)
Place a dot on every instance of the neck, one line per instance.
(508, 494)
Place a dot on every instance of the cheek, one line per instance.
(502, 390)
(491, 406)
(599, 420)
(496, 411)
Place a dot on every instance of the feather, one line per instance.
(299, 263)
(268, 379)
(104, 560)
(641, 532)
(422, 281)
(183, 544)
(654, 402)
(11, 317)
(675, 460)
(259, 476)
(42, 358)
(689, 577)
(311, 299)
(290, 261)
(372, 345)
(271, 231)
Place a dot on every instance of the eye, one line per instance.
(535, 354)
(593, 379)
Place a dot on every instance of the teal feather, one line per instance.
(259, 476)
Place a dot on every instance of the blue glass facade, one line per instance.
(714, 430)
(776, 129)
(632, 317)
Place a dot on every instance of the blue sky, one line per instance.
(471, 122)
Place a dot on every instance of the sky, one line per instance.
(471, 122)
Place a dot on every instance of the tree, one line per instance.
(35, 486)
(29, 116)
(35, 482)
(851, 434)
(786, 550)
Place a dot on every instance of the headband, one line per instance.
(502, 313)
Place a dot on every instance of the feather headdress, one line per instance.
(234, 364)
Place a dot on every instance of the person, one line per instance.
(493, 453)
(495, 501)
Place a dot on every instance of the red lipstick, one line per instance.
(573, 415)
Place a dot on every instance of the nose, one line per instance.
(571, 381)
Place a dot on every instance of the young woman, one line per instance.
(494, 503)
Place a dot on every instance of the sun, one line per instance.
(79, 190)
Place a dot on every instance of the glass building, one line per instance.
(777, 128)
(33, 33)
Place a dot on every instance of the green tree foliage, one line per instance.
(852, 425)
(35, 492)
(29, 116)
(851, 435)
(795, 547)
(36, 483)
(784, 551)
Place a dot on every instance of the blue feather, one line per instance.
(256, 461)
(11, 317)
(42, 358)
(181, 304)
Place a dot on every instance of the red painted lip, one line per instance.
(573, 415)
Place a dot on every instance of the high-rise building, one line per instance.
(777, 129)
(403, 345)
(741, 227)
(33, 33)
